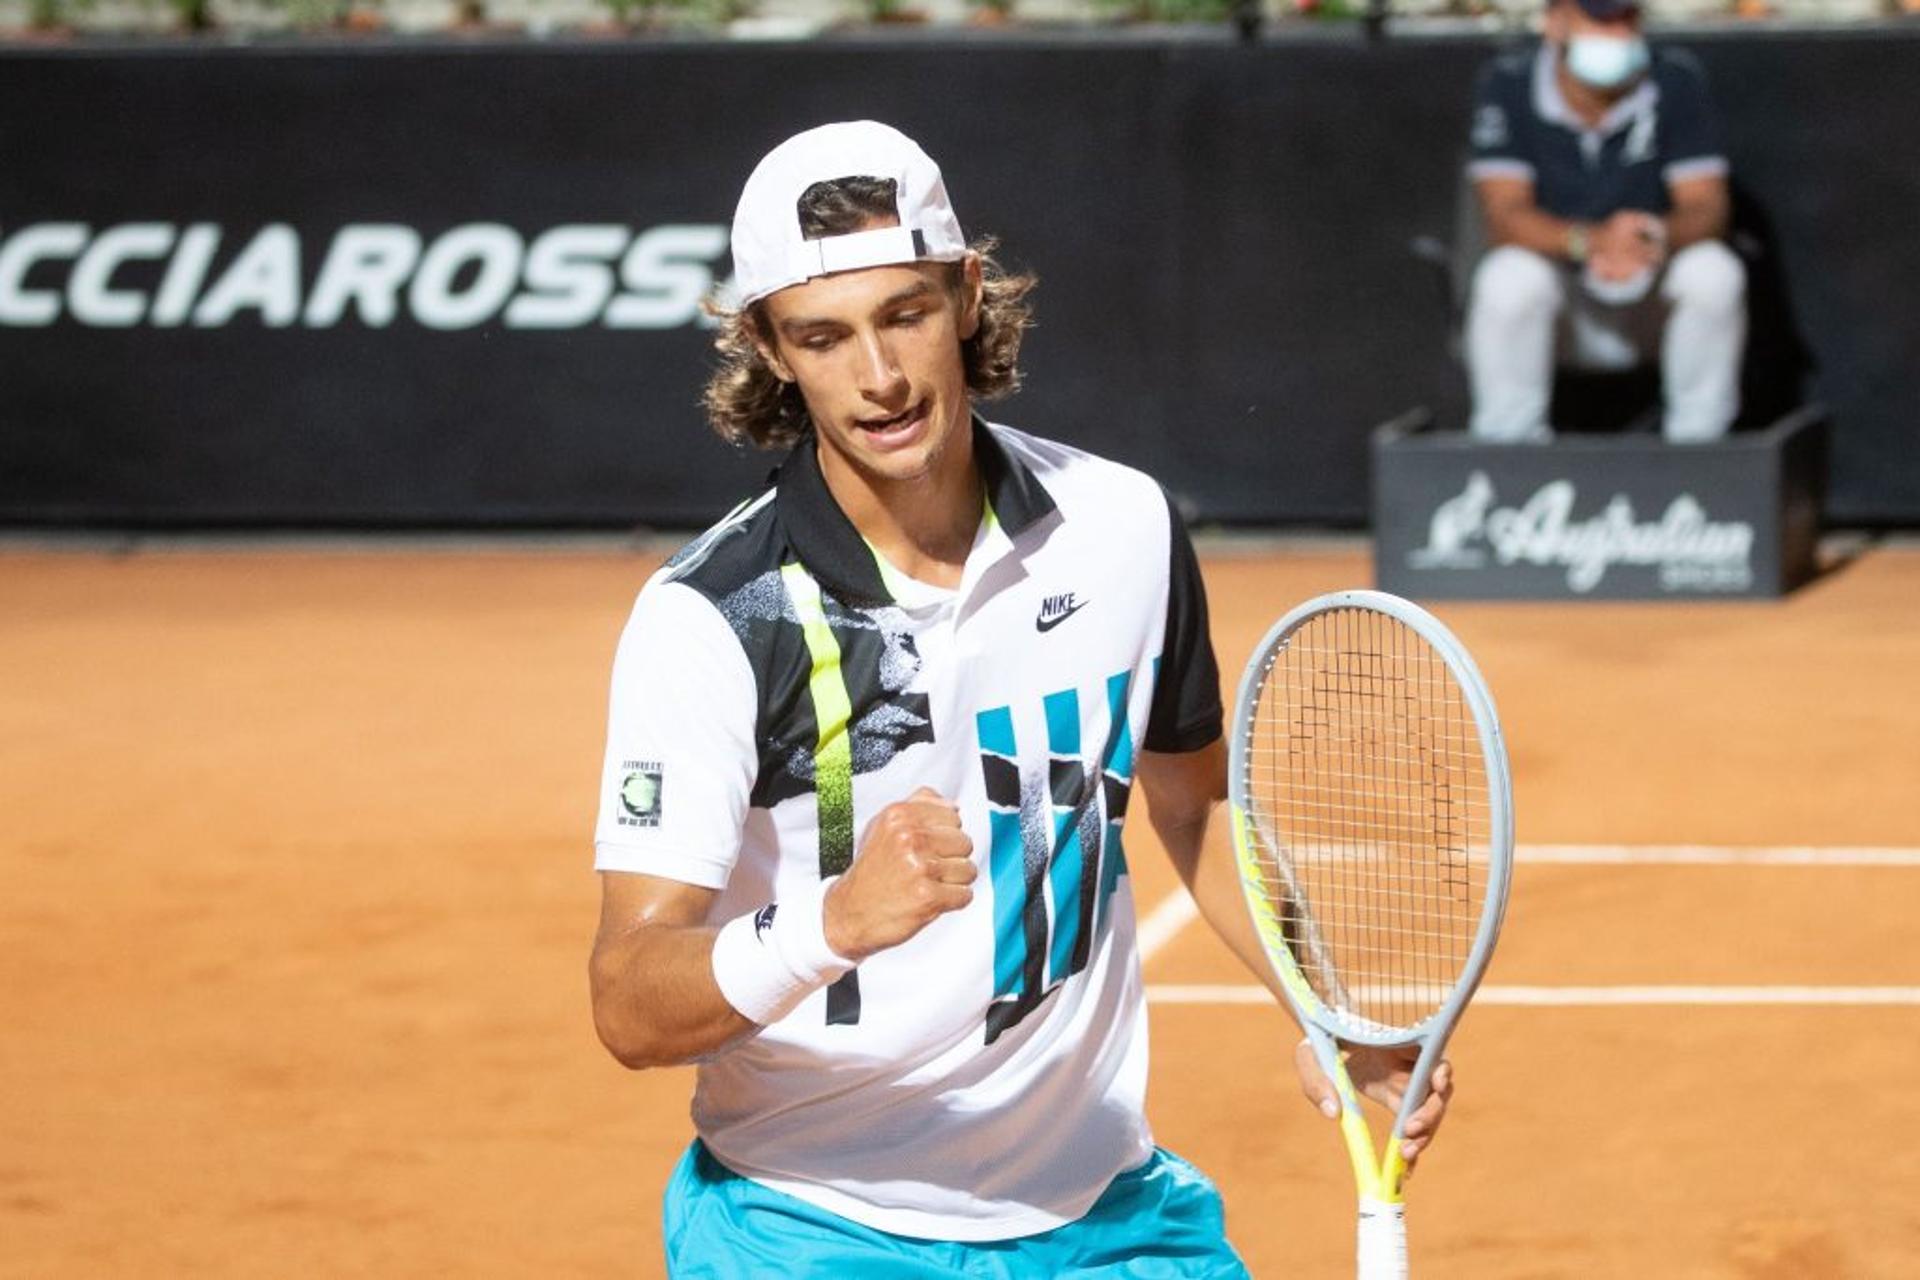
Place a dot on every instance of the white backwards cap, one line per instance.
(769, 250)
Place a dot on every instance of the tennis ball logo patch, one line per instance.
(640, 793)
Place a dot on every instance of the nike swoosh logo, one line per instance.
(1048, 624)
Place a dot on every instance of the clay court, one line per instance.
(296, 892)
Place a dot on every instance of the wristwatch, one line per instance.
(1578, 244)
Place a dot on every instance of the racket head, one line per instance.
(1337, 690)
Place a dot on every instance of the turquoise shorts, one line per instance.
(1163, 1219)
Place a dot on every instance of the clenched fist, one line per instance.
(914, 863)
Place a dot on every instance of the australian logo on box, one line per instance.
(1689, 550)
(640, 793)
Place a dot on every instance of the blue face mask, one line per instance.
(1606, 62)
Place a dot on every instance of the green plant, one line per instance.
(321, 15)
(718, 13)
(1334, 10)
(1170, 10)
(311, 15)
(192, 15)
(53, 15)
(650, 14)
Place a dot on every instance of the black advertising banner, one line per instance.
(460, 284)
(392, 287)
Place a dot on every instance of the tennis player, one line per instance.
(871, 746)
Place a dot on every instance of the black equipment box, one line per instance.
(1596, 517)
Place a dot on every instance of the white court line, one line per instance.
(1648, 855)
(1176, 911)
(1577, 997)
(1163, 924)
(1713, 855)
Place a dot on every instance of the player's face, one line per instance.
(876, 355)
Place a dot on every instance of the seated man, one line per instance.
(1599, 168)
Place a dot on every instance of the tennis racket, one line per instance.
(1373, 824)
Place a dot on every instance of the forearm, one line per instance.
(655, 1000)
(1213, 880)
(1527, 227)
(1183, 792)
(1701, 209)
(1693, 223)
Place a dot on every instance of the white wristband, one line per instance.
(768, 961)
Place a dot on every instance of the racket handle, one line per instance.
(1383, 1240)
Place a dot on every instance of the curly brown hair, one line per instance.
(747, 403)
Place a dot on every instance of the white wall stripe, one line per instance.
(1163, 924)
(1577, 997)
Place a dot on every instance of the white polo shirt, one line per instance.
(776, 687)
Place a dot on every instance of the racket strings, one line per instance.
(1369, 802)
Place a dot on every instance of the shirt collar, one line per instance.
(1552, 106)
(833, 550)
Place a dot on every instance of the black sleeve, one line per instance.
(1690, 141)
(1497, 138)
(1186, 713)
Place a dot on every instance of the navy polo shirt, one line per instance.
(1663, 131)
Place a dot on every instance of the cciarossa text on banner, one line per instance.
(205, 275)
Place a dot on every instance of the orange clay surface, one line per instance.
(295, 898)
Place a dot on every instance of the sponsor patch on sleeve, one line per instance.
(640, 793)
(1489, 127)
